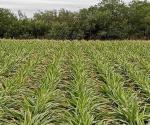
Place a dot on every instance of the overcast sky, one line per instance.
(31, 6)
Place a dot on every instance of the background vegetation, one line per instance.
(110, 19)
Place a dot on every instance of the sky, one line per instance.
(31, 6)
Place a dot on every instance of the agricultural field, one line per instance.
(74, 82)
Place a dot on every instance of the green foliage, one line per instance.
(110, 19)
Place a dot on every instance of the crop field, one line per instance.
(74, 82)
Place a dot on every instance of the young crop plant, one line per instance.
(81, 98)
(42, 108)
(46, 82)
(127, 107)
(140, 82)
(14, 89)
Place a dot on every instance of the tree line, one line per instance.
(110, 19)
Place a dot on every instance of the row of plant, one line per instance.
(127, 107)
(74, 83)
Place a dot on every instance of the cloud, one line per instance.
(31, 6)
(34, 3)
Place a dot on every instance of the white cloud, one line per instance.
(31, 6)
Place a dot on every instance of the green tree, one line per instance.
(7, 21)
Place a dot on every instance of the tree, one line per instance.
(7, 21)
(139, 19)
